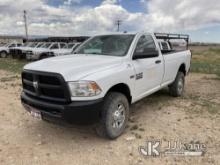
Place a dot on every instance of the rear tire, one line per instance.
(177, 87)
(3, 54)
(114, 117)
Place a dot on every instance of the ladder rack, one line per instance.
(169, 36)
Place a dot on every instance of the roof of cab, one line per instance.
(122, 33)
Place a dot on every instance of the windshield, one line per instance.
(70, 46)
(46, 45)
(39, 45)
(112, 45)
(63, 46)
(75, 47)
(32, 45)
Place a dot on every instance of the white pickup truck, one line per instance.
(20, 51)
(103, 78)
(4, 49)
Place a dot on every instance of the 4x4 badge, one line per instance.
(139, 76)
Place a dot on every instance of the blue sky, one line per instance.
(87, 17)
(130, 5)
(208, 34)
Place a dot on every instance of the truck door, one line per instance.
(149, 70)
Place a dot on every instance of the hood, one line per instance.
(3, 48)
(37, 50)
(65, 51)
(75, 67)
(16, 47)
(20, 48)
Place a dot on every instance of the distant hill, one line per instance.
(203, 44)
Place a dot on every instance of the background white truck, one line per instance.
(4, 49)
(20, 51)
(105, 76)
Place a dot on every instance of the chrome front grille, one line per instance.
(45, 86)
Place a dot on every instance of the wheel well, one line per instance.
(122, 88)
(3, 51)
(42, 55)
(182, 69)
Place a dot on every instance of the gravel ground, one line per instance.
(195, 117)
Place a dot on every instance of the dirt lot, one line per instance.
(194, 117)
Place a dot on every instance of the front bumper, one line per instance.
(30, 57)
(74, 112)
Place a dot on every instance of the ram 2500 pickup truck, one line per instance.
(105, 76)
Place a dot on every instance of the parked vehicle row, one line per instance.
(20, 51)
(50, 50)
(37, 50)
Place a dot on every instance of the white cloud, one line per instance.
(20, 23)
(70, 2)
(169, 16)
(183, 14)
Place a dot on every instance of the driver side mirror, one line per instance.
(147, 53)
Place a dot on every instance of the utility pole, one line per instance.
(118, 23)
(25, 23)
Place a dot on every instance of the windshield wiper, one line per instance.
(88, 53)
(93, 53)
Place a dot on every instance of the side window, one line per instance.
(145, 43)
(55, 46)
(164, 46)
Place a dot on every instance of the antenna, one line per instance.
(25, 23)
(118, 23)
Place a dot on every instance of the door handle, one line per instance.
(158, 61)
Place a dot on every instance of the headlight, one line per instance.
(29, 52)
(84, 89)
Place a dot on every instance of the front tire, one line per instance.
(3, 54)
(177, 87)
(114, 115)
